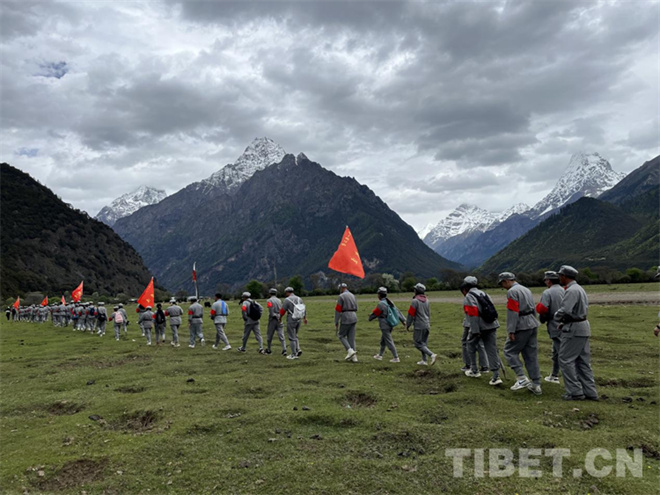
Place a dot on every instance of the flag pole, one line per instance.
(195, 280)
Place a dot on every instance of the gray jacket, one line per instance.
(520, 312)
(219, 312)
(245, 307)
(195, 313)
(419, 313)
(473, 310)
(381, 312)
(548, 306)
(346, 309)
(574, 306)
(174, 312)
(146, 319)
(274, 305)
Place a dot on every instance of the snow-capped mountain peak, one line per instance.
(465, 218)
(587, 175)
(261, 153)
(517, 209)
(129, 203)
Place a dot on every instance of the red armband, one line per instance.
(513, 305)
(377, 312)
(412, 311)
(541, 309)
(338, 308)
(471, 310)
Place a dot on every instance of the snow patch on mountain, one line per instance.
(129, 203)
(465, 218)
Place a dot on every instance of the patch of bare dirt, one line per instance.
(73, 474)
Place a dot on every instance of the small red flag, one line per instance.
(147, 297)
(45, 301)
(347, 259)
(63, 300)
(17, 304)
(194, 272)
(76, 295)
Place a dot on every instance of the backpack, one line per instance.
(299, 310)
(255, 311)
(392, 318)
(160, 316)
(91, 312)
(488, 312)
(118, 317)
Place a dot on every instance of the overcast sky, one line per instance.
(430, 104)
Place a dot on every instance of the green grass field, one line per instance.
(250, 423)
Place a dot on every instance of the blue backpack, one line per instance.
(392, 318)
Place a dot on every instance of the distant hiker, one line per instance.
(522, 327)
(546, 308)
(481, 325)
(125, 315)
(251, 312)
(575, 353)
(91, 317)
(219, 313)
(146, 322)
(117, 318)
(388, 316)
(274, 322)
(195, 315)
(346, 321)
(468, 283)
(161, 323)
(101, 317)
(139, 310)
(419, 316)
(175, 312)
(296, 312)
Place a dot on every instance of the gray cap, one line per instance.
(382, 290)
(193, 299)
(505, 276)
(470, 280)
(173, 300)
(550, 275)
(116, 308)
(246, 294)
(101, 303)
(121, 305)
(421, 288)
(343, 285)
(272, 291)
(288, 289)
(148, 307)
(568, 271)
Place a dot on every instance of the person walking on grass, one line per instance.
(574, 352)
(117, 318)
(124, 324)
(195, 316)
(161, 323)
(468, 283)
(219, 313)
(146, 322)
(296, 312)
(546, 308)
(101, 317)
(251, 312)
(419, 317)
(346, 321)
(175, 312)
(275, 325)
(482, 325)
(388, 316)
(522, 327)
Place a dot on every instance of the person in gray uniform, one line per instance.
(116, 318)
(468, 283)
(419, 317)
(296, 312)
(346, 321)
(139, 310)
(219, 313)
(482, 326)
(522, 327)
(195, 315)
(160, 323)
(274, 322)
(546, 308)
(382, 312)
(146, 321)
(175, 312)
(124, 324)
(101, 317)
(251, 325)
(574, 352)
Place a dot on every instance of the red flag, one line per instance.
(45, 301)
(76, 295)
(194, 272)
(17, 304)
(63, 300)
(147, 297)
(347, 259)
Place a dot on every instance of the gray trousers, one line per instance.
(575, 364)
(526, 343)
(421, 339)
(175, 332)
(101, 327)
(147, 333)
(275, 325)
(160, 332)
(488, 340)
(220, 334)
(556, 344)
(386, 341)
(468, 354)
(249, 328)
(292, 327)
(117, 329)
(195, 331)
(347, 335)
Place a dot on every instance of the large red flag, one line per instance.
(76, 295)
(347, 259)
(63, 300)
(147, 297)
(45, 301)
(17, 304)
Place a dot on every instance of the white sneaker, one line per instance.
(117, 339)
(292, 356)
(191, 346)
(214, 346)
(378, 357)
(395, 360)
(173, 344)
(495, 381)
(177, 345)
(226, 348)
(472, 374)
(552, 379)
(422, 363)
(520, 384)
(433, 358)
(148, 343)
(535, 389)
(354, 358)
(350, 354)
(203, 342)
